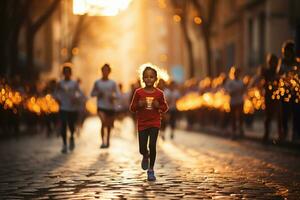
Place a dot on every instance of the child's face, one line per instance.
(149, 78)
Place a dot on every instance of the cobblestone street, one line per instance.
(192, 166)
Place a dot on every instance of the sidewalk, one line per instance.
(254, 133)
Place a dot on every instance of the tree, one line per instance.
(181, 9)
(81, 25)
(12, 15)
(31, 30)
(205, 27)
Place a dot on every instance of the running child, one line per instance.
(148, 103)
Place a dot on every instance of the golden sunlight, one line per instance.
(161, 73)
(99, 7)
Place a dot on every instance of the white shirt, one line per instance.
(172, 96)
(123, 102)
(235, 88)
(67, 93)
(105, 91)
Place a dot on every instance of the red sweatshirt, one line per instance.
(148, 118)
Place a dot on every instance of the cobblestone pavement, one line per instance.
(192, 166)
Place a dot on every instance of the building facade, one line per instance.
(267, 25)
(246, 30)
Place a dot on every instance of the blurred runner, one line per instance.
(107, 92)
(67, 96)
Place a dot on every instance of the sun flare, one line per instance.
(99, 7)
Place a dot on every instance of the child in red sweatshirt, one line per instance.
(148, 103)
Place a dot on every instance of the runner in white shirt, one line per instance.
(107, 92)
(67, 94)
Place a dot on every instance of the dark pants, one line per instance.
(286, 111)
(236, 112)
(68, 118)
(173, 118)
(296, 121)
(151, 133)
(272, 110)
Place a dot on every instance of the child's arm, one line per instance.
(137, 102)
(134, 103)
(161, 104)
(164, 106)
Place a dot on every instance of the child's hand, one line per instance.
(155, 103)
(141, 103)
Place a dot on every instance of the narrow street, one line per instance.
(192, 166)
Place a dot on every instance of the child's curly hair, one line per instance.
(148, 66)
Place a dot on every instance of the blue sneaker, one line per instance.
(145, 163)
(151, 176)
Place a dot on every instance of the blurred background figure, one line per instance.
(287, 63)
(272, 106)
(81, 108)
(133, 87)
(236, 89)
(107, 92)
(162, 85)
(296, 135)
(122, 108)
(68, 94)
(51, 118)
(172, 94)
(122, 103)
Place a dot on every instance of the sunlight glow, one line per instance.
(91, 106)
(99, 7)
(197, 20)
(161, 73)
